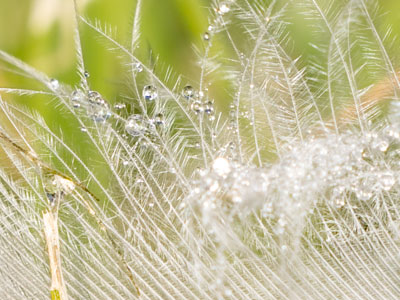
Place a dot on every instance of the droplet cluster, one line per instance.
(196, 103)
(340, 172)
(97, 108)
(137, 125)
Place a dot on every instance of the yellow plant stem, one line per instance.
(57, 289)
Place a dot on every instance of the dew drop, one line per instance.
(83, 129)
(206, 36)
(338, 201)
(86, 74)
(386, 180)
(383, 145)
(196, 107)
(54, 84)
(125, 163)
(221, 166)
(223, 8)
(98, 109)
(188, 92)
(135, 125)
(138, 67)
(77, 97)
(150, 93)
(119, 106)
(158, 119)
(209, 108)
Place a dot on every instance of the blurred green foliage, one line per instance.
(40, 32)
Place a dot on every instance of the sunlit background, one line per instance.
(40, 32)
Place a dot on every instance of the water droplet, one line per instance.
(54, 84)
(77, 97)
(158, 119)
(83, 129)
(55, 187)
(211, 28)
(209, 108)
(98, 109)
(196, 107)
(223, 8)
(383, 145)
(251, 86)
(338, 201)
(228, 293)
(386, 181)
(150, 93)
(125, 163)
(119, 106)
(138, 67)
(188, 92)
(221, 166)
(86, 74)
(135, 125)
(206, 36)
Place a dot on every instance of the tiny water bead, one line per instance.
(209, 107)
(54, 84)
(138, 67)
(223, 8)
(196, 107)
(136, 125)
(119, 106)
(386, 180)
(150, 93)
(206, 36)
(188, 92)
(86, 74)
(77, 98)
(158, 119)
(98, 108)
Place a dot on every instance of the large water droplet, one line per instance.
(188, 92)
(136, 125)
(98, 108)
(55, 187)
(150, 93)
